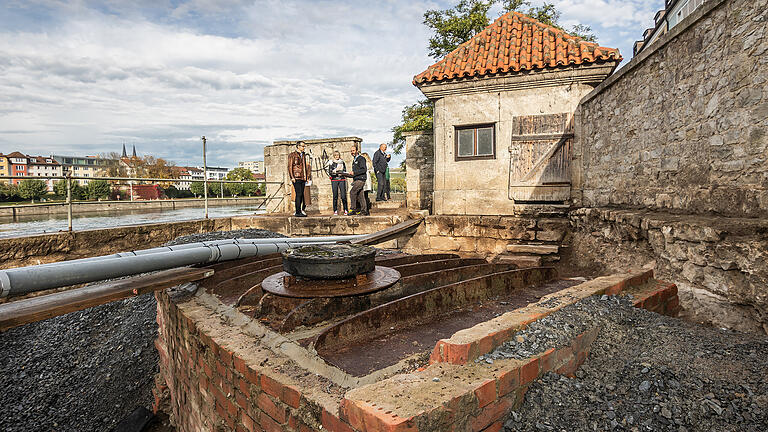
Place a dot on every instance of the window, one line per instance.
(475, 142)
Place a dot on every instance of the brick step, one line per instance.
(535, 249)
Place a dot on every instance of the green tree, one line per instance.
(397, 184)
(171, 192)
(60, 189)
(416, 117)
(8, 192)
(240, 189)
(198, 188)
(96, 189)
(32, 189)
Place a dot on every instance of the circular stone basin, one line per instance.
(329, 261)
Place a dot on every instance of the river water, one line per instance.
(39, 224)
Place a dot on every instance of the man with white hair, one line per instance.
(380, 162)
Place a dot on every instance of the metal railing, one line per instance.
(139, 181)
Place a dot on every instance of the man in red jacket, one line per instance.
(300, 172)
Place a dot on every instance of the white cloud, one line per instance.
(82, 77)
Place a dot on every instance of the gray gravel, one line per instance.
(87, 370)
(646, 372)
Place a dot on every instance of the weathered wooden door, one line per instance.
(540, 155)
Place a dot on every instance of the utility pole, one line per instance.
(205, 178)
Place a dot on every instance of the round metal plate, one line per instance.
(283, 284)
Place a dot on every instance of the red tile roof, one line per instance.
(515, 42)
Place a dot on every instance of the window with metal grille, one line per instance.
(475, 142)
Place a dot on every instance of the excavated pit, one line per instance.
(426, 298)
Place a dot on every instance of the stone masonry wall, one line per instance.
(718, 264)
(682, 127)
(419, 169)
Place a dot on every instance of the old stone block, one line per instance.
(491, 245)
(533, 249)
(444, 243)
(521, 261)
(553, 236)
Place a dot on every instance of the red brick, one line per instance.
(508, 381)
(225, 356)
(268, 424)
(486, 393)
(221, 369)
(202, 383)
(529, 372)
(242, 401)
(496, 427)
(547, 361)
(243, 386)
(333, 423)
(274, 410)
(221, 411)
(492, 413)
(240, 365)
(291, 396)
(563, 356)
(231, 409)
(272, 386)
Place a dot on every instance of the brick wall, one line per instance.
(683, 125)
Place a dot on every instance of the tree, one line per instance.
(416, 117)
(198, 188)
(60, 189)
(8, 192)
(98, 189)
(171, 192)
(32, 189)
(240, 174)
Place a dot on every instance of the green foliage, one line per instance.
(240, 173)
(8, 192)
(456, 25)
(397, 184)
(198, 188)
(171, 192)
(416, 117)
(60, 189)
(32, 189)
(96, 189)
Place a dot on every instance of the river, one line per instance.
(39, 224)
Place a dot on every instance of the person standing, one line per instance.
(387, 191)
(359, 173)
(300, 172)
(380, 165)
(368, 182)
(336, 169)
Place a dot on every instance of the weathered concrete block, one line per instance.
(533, 249)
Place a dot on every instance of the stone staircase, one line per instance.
(532, 254)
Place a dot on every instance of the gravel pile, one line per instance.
(87, 370)
(224, 235)
(646, 372)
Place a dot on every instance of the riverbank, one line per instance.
(15, 211)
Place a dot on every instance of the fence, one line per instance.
(133, 182)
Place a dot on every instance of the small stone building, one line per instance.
(503, 119)
(320, 151)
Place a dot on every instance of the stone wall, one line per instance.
(682, 127)
(419, 170)
(717, 263)
(276, 169)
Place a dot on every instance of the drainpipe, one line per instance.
(24, 280)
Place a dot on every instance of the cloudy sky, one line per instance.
(84, 77)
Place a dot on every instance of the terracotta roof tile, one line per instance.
(515, 42)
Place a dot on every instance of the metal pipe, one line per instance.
(24, 280)
(257, 241)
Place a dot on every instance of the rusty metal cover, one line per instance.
(286, 285)
(337, 261)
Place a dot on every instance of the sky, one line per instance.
(84, 77)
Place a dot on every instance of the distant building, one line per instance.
(256, 167)
(78, 166)
(40, 166)
(674, 11)
(216, 173)
(5, 167)
(17, 165)
(188, 175)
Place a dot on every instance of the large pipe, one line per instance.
(24, 280)
(296, 240)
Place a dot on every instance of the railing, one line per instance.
(138, 181)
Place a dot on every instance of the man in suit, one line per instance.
(380, 162)
(300, 172)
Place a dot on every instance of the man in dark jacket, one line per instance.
(380, 162)
(356, 194)
(300, 172)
